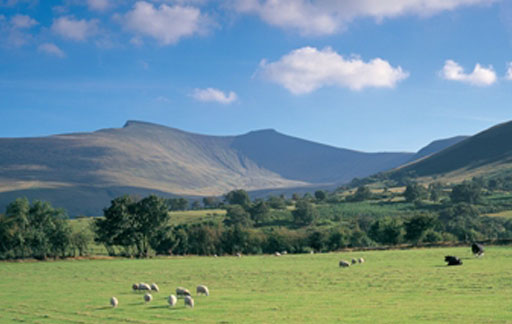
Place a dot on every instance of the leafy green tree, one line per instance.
(362, 193)
(386, 230)
(238, 197)
(236, 215)
(259, 212)
(417, 226)
(151, 216)
(320, 195)
(414, 192)
(175, 204)
(276, 202)
(435, 191)
(211, 202)
(467, 192)
(304, 213)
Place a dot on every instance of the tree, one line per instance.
(386, 230)
(211, 202)
(276, 202)
(236, 215)
(151, 217)
(259, 212)
(467, 192)
(320, 195)
(238, 197)
(435, 191)
(174, 204)
(414, 192)
(362, 193)
(304, 213)
(417, 226)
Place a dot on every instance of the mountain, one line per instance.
(485, 152)
(438, 146)
(83, 171)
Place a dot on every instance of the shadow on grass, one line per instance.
(103, 308)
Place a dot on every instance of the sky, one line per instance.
(369, 75)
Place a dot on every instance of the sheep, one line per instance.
(477, 249)
(148, 298)
(154, 287)
(360, 260)
(238, 254)
(114, 302)
(172, 300)
(354, 261)
(144, 286)
(189, 301)
(135, 287)
(344, 264)
(180, 291)
(202, 289)
(284, 253)
(277, 254)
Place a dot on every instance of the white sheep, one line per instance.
(277, 254)
(202, 289)
(361, 260)
(144, 286)
(238, 254)
(189, 301)
(154, 287)
(354, 261)
(344, 264)
(172, 300)
(114, 302)
(180, 291)
(148, 298)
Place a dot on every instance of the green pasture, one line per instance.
(396, 286)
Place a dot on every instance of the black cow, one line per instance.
(477, 249)
(452, 260)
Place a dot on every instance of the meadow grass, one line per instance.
(396, 286)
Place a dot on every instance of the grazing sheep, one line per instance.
(452, 260)
(114, 302)
(477, 249)
(135, 287)
(144, 286)
(154, 287)
(215, 256)
(148, 298)
(284, 253)
(238, 254)
(360, 260)
(189, 301)
(311, 252)
(354, 261)
(180, 291)
(202, 289)
(172, 300)
(277, 254)
(344, 264)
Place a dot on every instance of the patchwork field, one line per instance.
(399, 286)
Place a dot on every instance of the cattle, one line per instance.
(452, 260)
(477, 249)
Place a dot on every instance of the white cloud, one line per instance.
(74, 29)
(214, 95)
(51, 49)
(324, 17)
(481, 76)
(98, 5)
(508, 76)
(306, 69)
(166, 24)
(22, 22)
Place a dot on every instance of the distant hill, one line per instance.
(437, 146)
(83, 171)
(482, 153)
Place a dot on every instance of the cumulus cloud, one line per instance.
(508, 76)
(22, 22)
(167, 24)
(98, 5)
(75, 29)
(306, 69)
(481, 76)
(214, 95)
(51, 49)
(324, 17)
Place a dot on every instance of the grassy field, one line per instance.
(400, 286)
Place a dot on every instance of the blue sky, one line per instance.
(369, 75)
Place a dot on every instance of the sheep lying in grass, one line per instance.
(114, 302)
(202, 289)
(277, 254)
(189, 301)
(154, 287)
(452, 260)
(172, 300)
(361, 260)
(148, 298)
(180, 291)
(344, 264)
